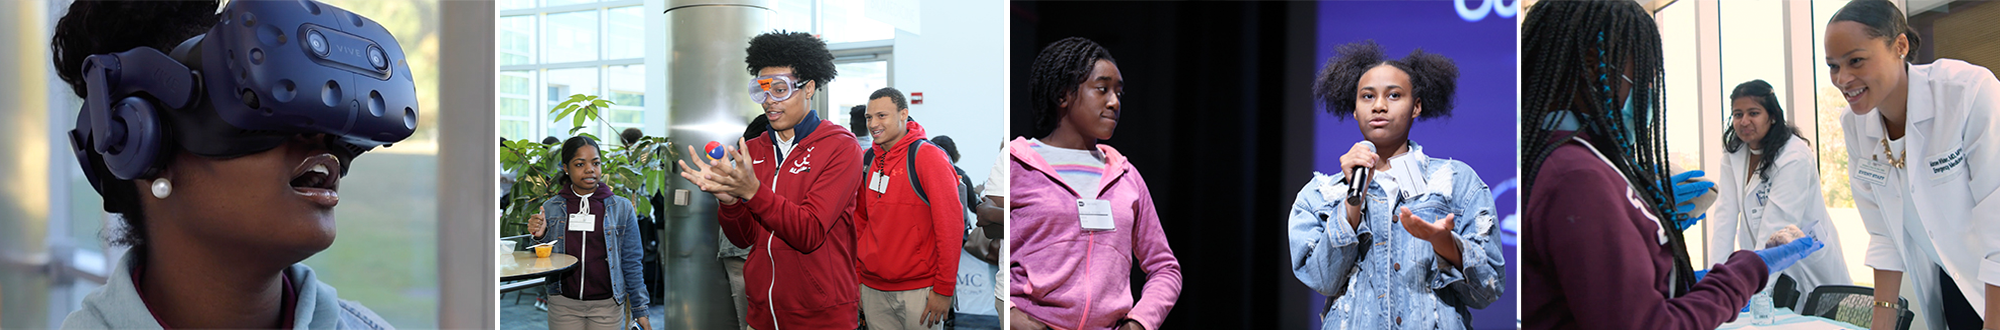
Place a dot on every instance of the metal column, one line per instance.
(706, 75)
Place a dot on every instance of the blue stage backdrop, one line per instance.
(1480, 36)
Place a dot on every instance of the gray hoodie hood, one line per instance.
(116, 305)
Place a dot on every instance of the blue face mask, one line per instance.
(1633, 119)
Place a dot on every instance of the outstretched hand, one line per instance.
(728, 183)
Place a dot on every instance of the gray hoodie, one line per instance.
(116, 305)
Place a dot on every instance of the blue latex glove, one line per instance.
(1783, 256)
(1688, 191)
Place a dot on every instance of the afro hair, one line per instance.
(805, 54)
(1055, 74)
(1433, 78)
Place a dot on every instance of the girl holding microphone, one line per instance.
(1428, 218)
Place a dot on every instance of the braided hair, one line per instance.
(1433, 78)
(1055, 74)
(1774, 138)
(1576, 56)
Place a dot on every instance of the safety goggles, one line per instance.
(774, 88)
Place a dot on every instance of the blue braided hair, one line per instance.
(1576, 58)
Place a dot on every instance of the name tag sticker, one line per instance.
(1095, 214)
(582, 222)
(878, 182)
(1871, 172)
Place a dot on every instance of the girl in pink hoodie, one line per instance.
(1081, 213)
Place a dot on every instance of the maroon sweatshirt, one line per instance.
(1594, 260)
(596, 279)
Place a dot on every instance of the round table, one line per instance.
(527, 266)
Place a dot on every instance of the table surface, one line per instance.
(1785, 318)
(527, 266)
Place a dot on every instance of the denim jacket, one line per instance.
(621, 223)
(1376, 275)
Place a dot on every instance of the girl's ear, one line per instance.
(1902, 47)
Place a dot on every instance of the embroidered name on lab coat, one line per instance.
(1947, 161)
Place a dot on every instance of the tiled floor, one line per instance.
(524, 315)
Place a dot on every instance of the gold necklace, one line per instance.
(1894, 160)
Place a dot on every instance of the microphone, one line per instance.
(1357, 179)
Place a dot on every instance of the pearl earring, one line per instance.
(162, 188)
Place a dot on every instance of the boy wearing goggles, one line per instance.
(787, 195)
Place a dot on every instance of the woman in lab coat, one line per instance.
(1602, 245)
(1769, 182)
(1922, 167)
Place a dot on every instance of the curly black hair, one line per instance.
(805, 54)
(1884, 20)
(1053, 77)
(104, 27)
(1433, 78)
(1780, 131)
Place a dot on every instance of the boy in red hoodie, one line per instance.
(908, 240)
(792, 207)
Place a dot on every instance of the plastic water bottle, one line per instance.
(1760, 308)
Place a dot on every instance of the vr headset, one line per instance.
(266, 72)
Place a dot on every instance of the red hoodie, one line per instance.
(800, 272)
(902, 243)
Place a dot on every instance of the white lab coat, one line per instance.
(1745, 215)
(1953, 173)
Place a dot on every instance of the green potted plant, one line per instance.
(635, 170)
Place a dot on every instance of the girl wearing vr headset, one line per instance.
(225, 185)
(1428, 218)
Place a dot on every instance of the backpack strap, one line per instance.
(910, 166)
(867, 165)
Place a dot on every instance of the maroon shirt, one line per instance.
(1595, 261)
(595, 261)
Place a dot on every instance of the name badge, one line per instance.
(1095, 214)
(582, 222)
(1871, 172)
(878, 182)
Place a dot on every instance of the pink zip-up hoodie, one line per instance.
(1071, 278)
